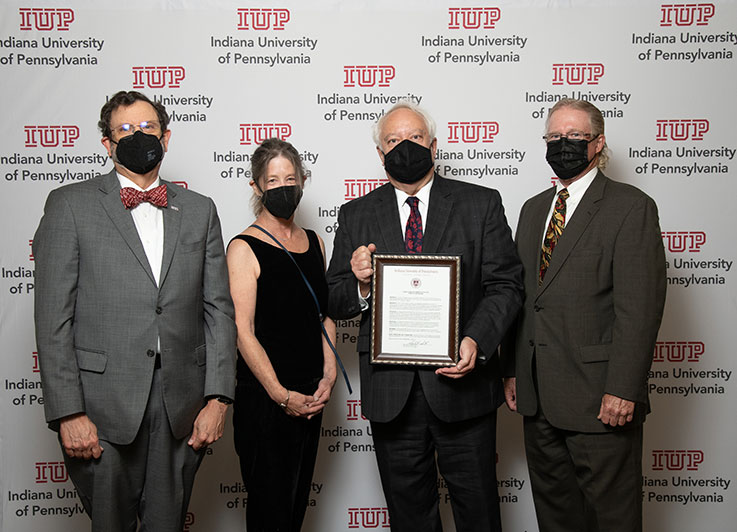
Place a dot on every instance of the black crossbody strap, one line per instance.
(317, 304)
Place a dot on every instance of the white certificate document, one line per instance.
(416, 307)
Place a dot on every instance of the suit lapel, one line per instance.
(122, 219)
(387, 215)
(172, 223)
(438, 211)
(572, 232)
(538, 224)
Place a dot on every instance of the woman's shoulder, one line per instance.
(241, 240)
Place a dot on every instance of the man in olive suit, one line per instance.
(577, 360)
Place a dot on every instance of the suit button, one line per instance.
(159, 310)
(532, 344)
(150, 352)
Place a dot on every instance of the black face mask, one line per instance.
(282, 201)
(408, 162)
(568, 158)
(139, 153)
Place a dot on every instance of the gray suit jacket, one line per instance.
(591, 326)
(99, 313)
(463, 219)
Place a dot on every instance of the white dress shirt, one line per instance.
(576, 190)
(149, 221)
(404, 209)
(423, 195)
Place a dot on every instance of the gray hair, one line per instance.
(404, 104)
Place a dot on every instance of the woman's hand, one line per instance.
(324, 390)
(300, 405)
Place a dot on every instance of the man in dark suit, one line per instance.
(134, 327)
(416, 412)
(578, 358)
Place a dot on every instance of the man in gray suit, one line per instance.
(134, 327)
(416, 411)
(578, 358)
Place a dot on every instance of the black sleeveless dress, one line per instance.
(277, 452)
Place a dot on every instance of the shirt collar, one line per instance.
(423, 194)
(579, 186)
(125, 182)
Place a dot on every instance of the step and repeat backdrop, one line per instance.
(319, 73)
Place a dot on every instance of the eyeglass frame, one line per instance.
(141, 126)
(584, 136)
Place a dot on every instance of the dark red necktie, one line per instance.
(132, 197)
(413, 231)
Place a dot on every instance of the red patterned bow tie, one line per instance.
(132, 197)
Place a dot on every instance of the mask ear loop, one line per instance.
(261, 197)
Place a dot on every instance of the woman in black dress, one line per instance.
(286, 370)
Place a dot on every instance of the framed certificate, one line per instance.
(415, 309)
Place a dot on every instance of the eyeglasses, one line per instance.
(151, 127)
(573, 135)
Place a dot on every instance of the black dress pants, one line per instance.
(277, 455)
(406, 448)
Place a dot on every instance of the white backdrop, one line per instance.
(318, 73)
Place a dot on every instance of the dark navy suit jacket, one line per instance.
(463, 219)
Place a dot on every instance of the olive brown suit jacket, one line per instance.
(590, 328)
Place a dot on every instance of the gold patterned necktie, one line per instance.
(553, 232)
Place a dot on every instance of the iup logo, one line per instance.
(368, 518)
(680, 351)
(188, 521)
(34, 357)
(182, 184)
(686, 14)
(471, 132)
(257, 133)
(262, 18)
(683, 241)
(577, 73)
(158, 77)
(355, 188)
(677, 459)
(51, 472)
(368, 75)
(680, 130)
(50, 136)
(30, 244)
(473, 18)
(45, 18)
(354, 410)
